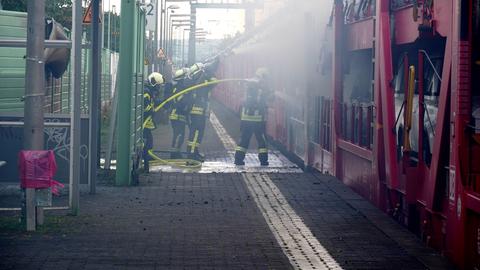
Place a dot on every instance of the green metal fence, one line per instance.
(57, 98)
(57, 91)
(131, 72)
(12, 62)
(137, 112)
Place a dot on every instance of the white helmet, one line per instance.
(181, 72)
(196, 67)
(261, 73)
(155, 79)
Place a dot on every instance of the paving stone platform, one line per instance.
(203, 221)
(244, 217)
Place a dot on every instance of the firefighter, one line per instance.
(179, 112)
(200, 108)
(253, 118)
(151, 93)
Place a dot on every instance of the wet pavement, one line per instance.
(226, 217)
(222, 160)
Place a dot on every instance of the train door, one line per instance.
(318, 64)
(420, 72)
(417, 84)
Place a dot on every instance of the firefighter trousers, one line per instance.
(178, 127)
(195, 135)
(148, 145)
(249, 128)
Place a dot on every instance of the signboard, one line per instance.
(161, 54)
(87, 17)
(150, 15)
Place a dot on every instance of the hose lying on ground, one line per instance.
(184, 163)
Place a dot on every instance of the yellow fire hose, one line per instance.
(184, 163)
(195, 87)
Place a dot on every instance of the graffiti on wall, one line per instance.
(58, 140)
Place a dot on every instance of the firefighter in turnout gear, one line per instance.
(253, 118)
(200, 108)
(179, 112)
(151, 93)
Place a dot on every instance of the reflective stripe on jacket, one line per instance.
(197, 110)
(175, 116)
(148, 111)
(248, 116)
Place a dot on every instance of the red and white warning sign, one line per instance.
(87, 17)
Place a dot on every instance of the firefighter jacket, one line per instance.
(201, 99)
(181, 104)
(148, 110)
(254, 108)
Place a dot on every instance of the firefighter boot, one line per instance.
(263, 156)
(239, 158)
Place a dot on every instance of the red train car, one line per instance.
(386, 98)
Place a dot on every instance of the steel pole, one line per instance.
(22, 43)
(174, 44)
(167, 25)
(183, 48)
(34, 94)
(115, 34)
(162, 29)
(155, 39)
(165, 30)
(102, 21)
(75, 74)
(34, 77)
(109, 30)
(170, 37)
(191, 41)
(94, 102)
(127, 53)
(167, 34)
(161, 24)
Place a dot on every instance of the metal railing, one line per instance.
(22, 43)
(357, 123)
(359, 10)
(399, 4)
(74, 148)
(323, 121)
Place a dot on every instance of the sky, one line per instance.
(219, 23)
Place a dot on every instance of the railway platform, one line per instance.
(221, 217)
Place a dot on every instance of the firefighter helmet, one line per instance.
(261, 73)
(155, 79)
(196, 67)
(180, 73)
